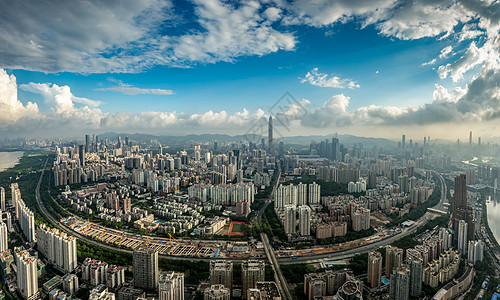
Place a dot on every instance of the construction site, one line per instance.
(164, 246)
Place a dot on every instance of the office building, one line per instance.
(374, 269)
(81, 155)
(145, 268)
(400, 284)
(221, 272)
(59, 248)
(304, 220)
(4, 245)
(27, 275)
(252, 272)
(171, 286)
(393, 259)
(217, 292)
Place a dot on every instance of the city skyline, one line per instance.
(381, 69)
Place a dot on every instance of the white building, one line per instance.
(476, 249)
(3, 237)
(27, 276)
(171, 286)
(58, 247)
(314, 193)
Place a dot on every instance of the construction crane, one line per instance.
(171, 237)
(121, 239)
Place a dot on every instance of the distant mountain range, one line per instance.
(345, 139)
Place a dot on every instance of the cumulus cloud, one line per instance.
(473, 57)
(314, 77)
(12, 109)
(129, 89)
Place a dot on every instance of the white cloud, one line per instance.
(129, 89)
(431, 62)
(445, 52)
(12, 109)
(473, 57)
(324, 80)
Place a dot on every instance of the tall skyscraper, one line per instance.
(416, 265)
(3, 237)
(270, 141)
(374, 268)
(221, 272)
(27, 276)
(2, 199)
(252, 272)
(459, 200)
(462, 237)
(290, 219)
(403, 142)
(400, 284)
(304, 220)
(393, 259)
(470, 138)
(87, 143)
(145, 268)
(314, 193)
(81, 154)
(475, 250)
(171, 286)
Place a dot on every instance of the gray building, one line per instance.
(145, 268)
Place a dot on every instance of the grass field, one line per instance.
(237, 228)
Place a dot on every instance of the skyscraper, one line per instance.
(221, 272)
(393, 259)
(145, 268)
(416, 265)
(270, 142)
(304, 220)
(400, 284)
(171, 286)
(252, 272)
(81, 154)
(2, 199)
(57, 247)
(87, 143)
(374, 268)
(403, 142)
(3, 237)
(459, 200)
(470, 138)
(290, 219)
(27, 276)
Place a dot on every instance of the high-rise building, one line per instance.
(304, 220)
(270, 141)
(217, 292)
(15, 197)
(459, 209)
(314, 193)
(145, 268)
(57, 247)
(171, 286)
(221, 272)
(475, 251)
(252, 272)
(27, 222)
(462, 237)
(403, 142)
(470, 138)
(393, 259)
(374, 268)
(290, 219)
(416, 265)
(81, 154)
(87, 143)
(27, 276)
(3, 237)
(400, 284)
(70, 284)
(2, 199)
(301, 194)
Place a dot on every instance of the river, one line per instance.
(493, 208)
(9, 159)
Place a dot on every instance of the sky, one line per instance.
(379, 68)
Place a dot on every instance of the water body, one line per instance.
(9, 159)
(493, 208)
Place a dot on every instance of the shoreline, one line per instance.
(3, 169)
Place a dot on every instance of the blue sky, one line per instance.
(198, 66)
